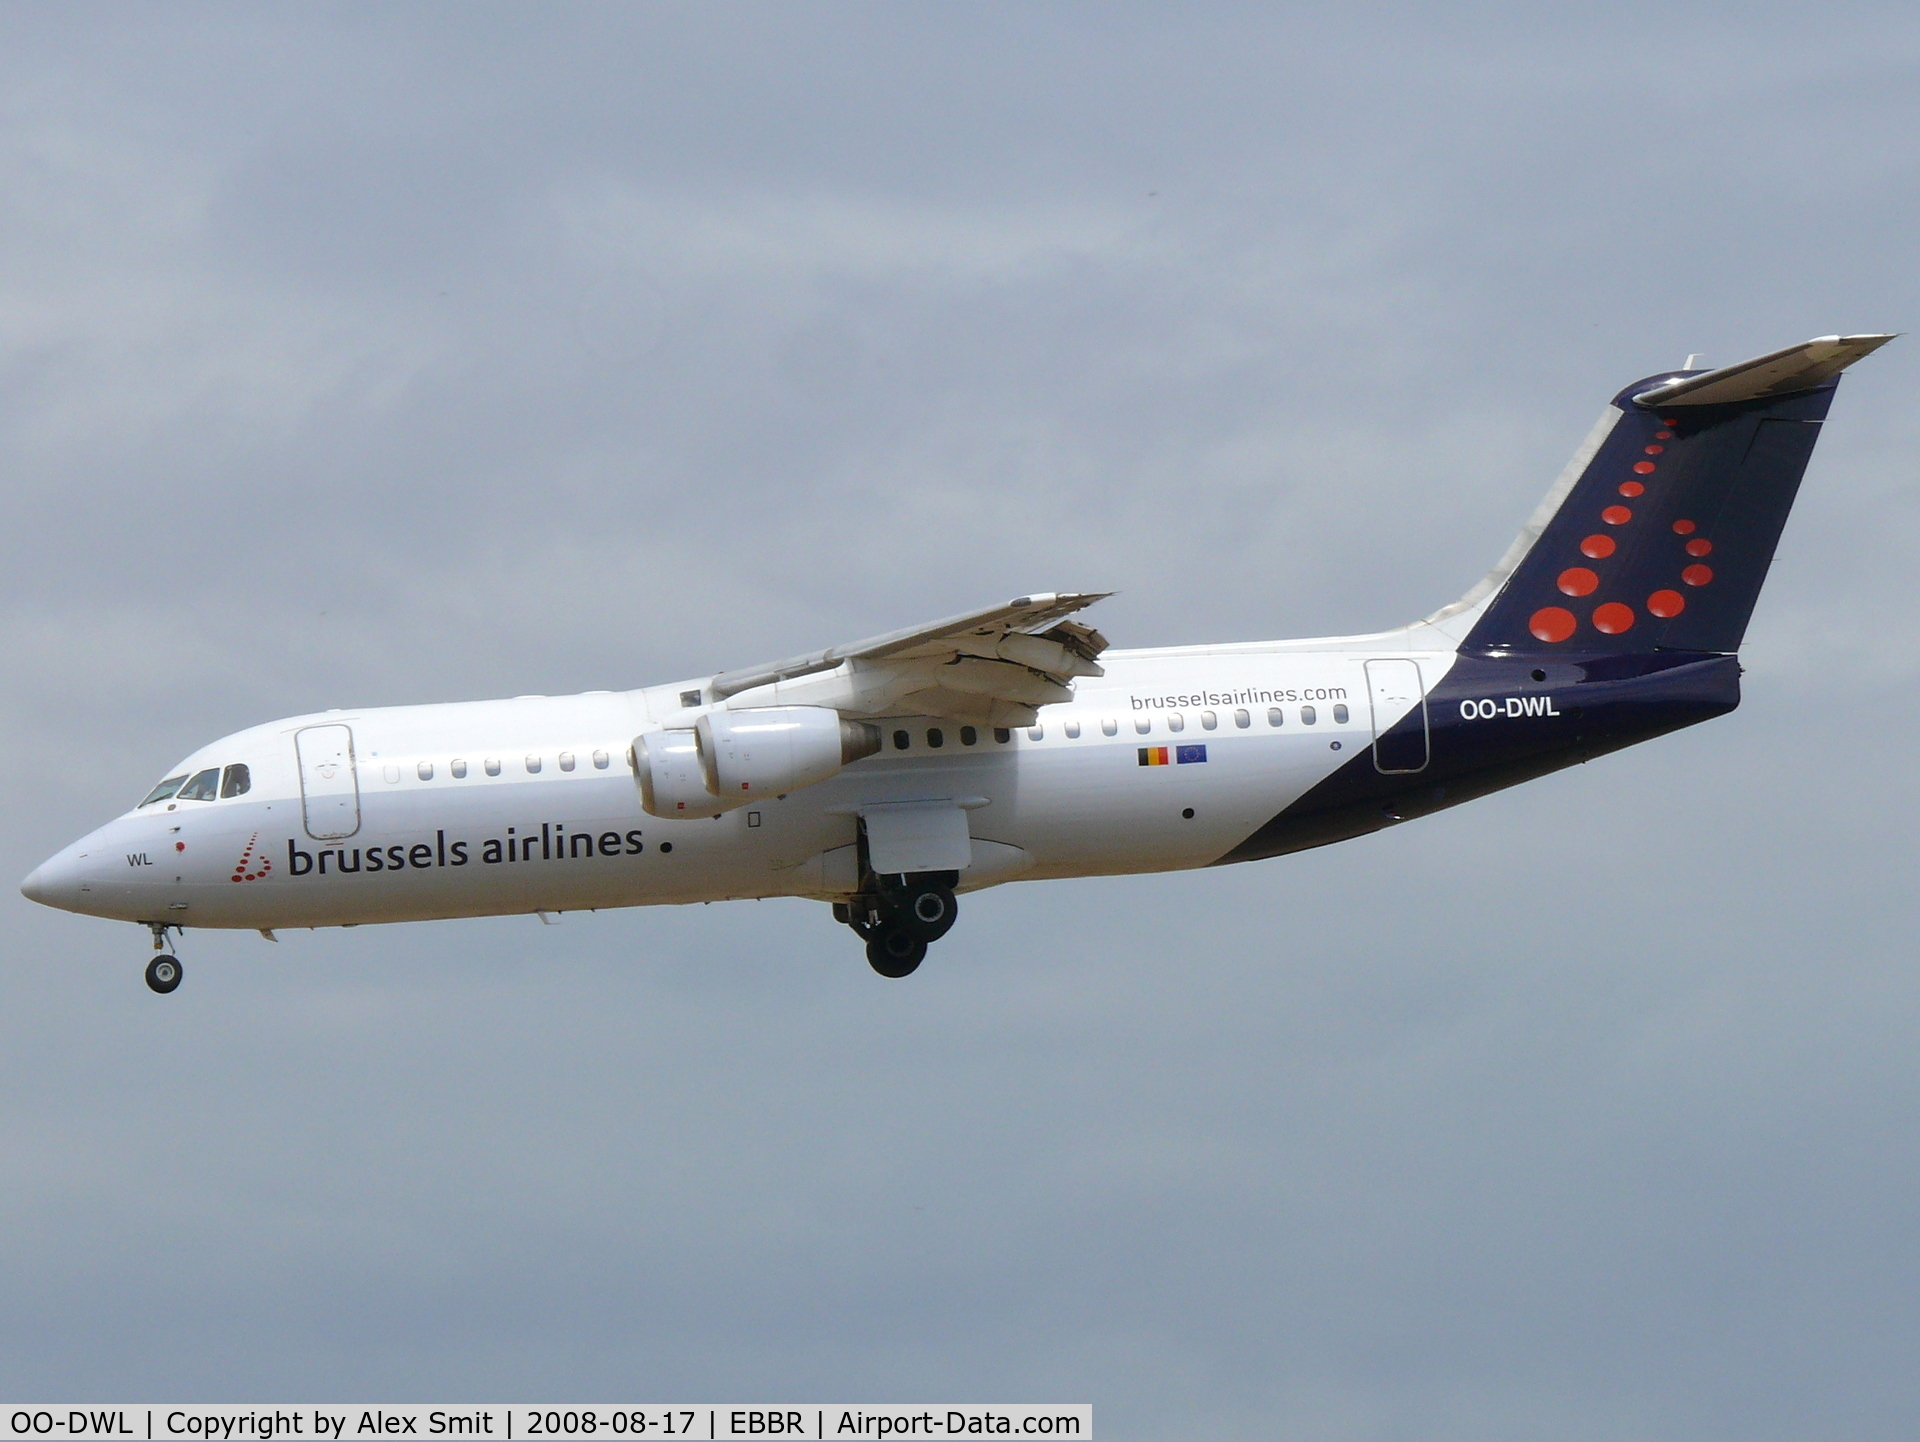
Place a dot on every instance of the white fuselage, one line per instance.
(531, 804)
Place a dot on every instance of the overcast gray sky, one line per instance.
(370, 354)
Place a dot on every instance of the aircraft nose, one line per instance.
(55, 882)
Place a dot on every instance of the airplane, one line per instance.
(888, 776)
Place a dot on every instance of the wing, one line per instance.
(996, 667)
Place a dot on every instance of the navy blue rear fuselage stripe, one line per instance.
(1492, 725)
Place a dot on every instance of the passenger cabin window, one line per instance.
(1035, 733)
(1109, 727)
(1143, 724)
(1340, 715)
(1073, 731)
(936, 738)
(1003, 734)
(1176, 722)
(1275, 716)
(164, 790)
(599, 761)
(459, 770)
(424, 771)
(566, 761)
(1308, 716)
(493, 766)
(1242, 719)
(969, 736)
(533, 766)
(1209, 721)
(392, 773)
(901, 741)
(236, 780)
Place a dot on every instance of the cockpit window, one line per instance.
(204, 786)
(164, 789)
(238, 781)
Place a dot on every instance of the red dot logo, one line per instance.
(1632, 488)
(1701, 547)
(1655, 450)
(1616, 515)
(1666, 604)
(1697, 575)
(1643, 468)
(1551, 623)
(1579, 581)
(1597, 547)
(1613, 618)
(1683, 528)
(1663, 435)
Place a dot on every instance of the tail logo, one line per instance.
(1554, 624)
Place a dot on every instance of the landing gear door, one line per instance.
(1399, 705)
(904, 837)
(329, 787)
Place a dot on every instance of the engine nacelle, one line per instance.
(770, 750)
(667, 766)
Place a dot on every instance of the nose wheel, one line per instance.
(164, 971)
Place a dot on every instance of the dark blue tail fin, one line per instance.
(1662, 540)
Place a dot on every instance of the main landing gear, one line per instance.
(900, 916)
(163, 972)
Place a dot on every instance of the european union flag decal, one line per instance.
(1190, 753)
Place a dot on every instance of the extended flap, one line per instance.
(904, 836)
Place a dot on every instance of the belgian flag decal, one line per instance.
(1172, 755)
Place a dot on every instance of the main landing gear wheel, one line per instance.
(928, 911)
(895, 952)
(163, 973)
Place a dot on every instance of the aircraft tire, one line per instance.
(895, 953)
(929, 912)
(163, 974)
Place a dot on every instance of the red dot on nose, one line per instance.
(1551, 623)
(1632, 488)
(1655, 450)
(1643, 468)
(179, 846)
(1598, 547)
(1616, 515)
(1683, 528)
(1613, 618)
(1700, 547)
(1697, 575)
(1579, 581)
(1666, 604)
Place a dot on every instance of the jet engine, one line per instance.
(771, 750)
(667, 766)
(732, 757)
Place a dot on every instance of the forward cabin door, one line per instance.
(1396, 695)
(329, 787)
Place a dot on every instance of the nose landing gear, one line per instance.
(899, 917)
(164, 971)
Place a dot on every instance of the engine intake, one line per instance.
(667, 766)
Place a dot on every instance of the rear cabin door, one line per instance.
(329, 788)
(1399, 716)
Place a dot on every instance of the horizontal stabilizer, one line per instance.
(1779, 373)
